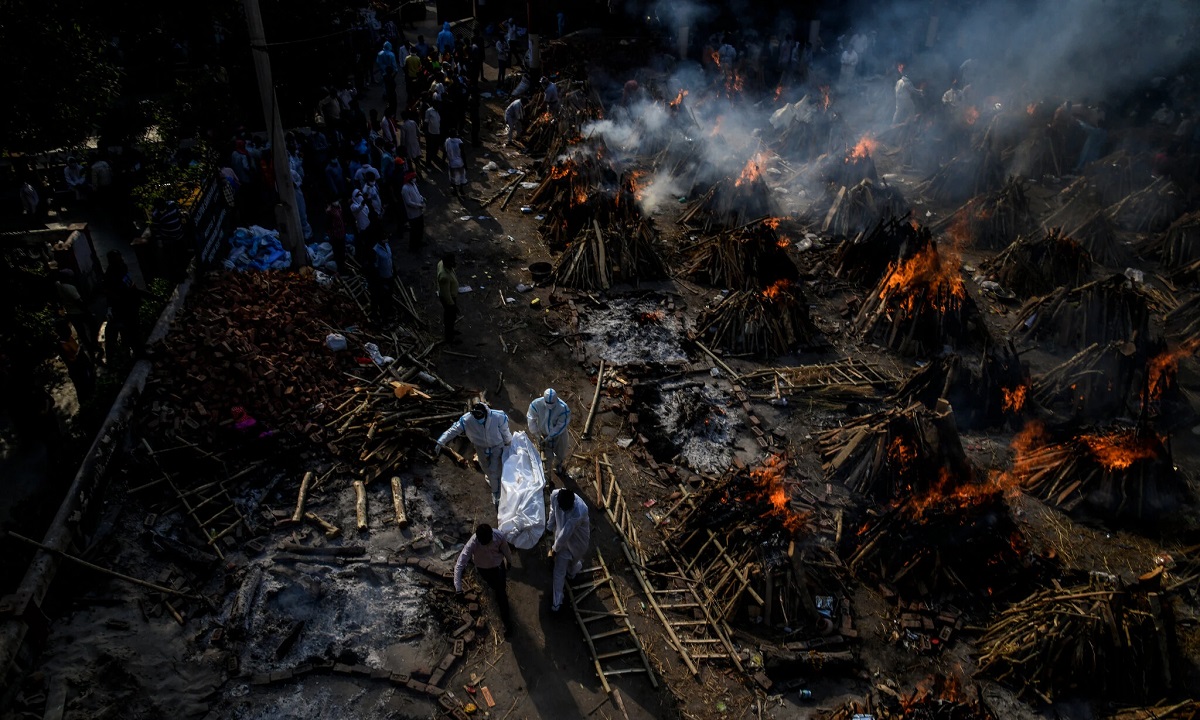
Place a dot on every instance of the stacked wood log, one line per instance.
(865, 257)
(1082, 217)
(897, 454)
(748, 257)
(938, 698)
(580, 188)
(994, 220)
(1118, 472)
(731, 202)
(920, 306)
(817, 130)
(1150, 209)
(984, 393)
(1186, 710)
(1095, 639)
(955, 542)
(1101, 311)
(1095, 384)
(598, 258)
(1182, 245)
(1118, 174)
(1183, 322)
(254, 341)
(970, 173)
(858, 208)
(1035, 265)
(766, 323)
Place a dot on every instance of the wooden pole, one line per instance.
(398, 503)
(360, 504)
(97, 568)
(302, 496)
(587, 426)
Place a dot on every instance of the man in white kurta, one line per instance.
(572, 531)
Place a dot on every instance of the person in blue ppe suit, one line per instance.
(547, 420)
(385, 60)
(445, 40)
(488, 431)
(569, 524)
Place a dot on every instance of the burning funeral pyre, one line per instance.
(1082, 217)
(983, 393)
(767, 323)
(994, 220)
(1116, 472)
(921, 305)
(733, 202)
(937, 698)
(865, 257)
(750, 257)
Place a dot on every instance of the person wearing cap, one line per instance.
(414, 207)
(547, 421)
(488, 550)
(488, 431)
(571, 528)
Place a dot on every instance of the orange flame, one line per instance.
(825, 99)
(559, 172)
(679, 98)
(776, 290)
(1013, 400)
(1162, 369)
(1119, 450)
(926, 275)
(753, 169)
(580, 196)
(772, 222)
(778, 92)
(636, 186)
(782, 242)
(972, 114)
(769, 479)
(734, 83)
(864, 148)
(716, 58)
(1031, 108)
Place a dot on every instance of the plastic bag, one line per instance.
(522, 512)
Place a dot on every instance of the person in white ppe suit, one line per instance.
(572, 531)
(488, 431)
(547, 420)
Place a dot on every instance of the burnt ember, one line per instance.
(1035, 265)
(920, 306)
(688, 419)
(1119, 473)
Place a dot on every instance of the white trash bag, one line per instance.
(522, 512)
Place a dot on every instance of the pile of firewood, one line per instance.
(858, 208)
(748, 257)
(896, 454)
(1183, 322)
(596, 258)
(1118, 472)
(1096, 639)
(766, 323)
(581, 187)
(1094, 384)
(865, 257)
(730, 203)
(1082, 217)
(991, 221)
(970, 173)
(983, 394)
(1101, 311)
(1035, 265)
(939, 698)
(254, 341)
(1118, 174)
(1151, 209)
(920, 306)
(1186, 710)
(1182, 244)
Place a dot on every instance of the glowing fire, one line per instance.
(580, 196)
(926, 276)
(825, 99)
(753, 169)
(636, 185)
(972, 114)
(559, 172)
(734, 83)
(864, 148)
(778, 92)
(901, 453)
(679, 98)
(717, 126)
(1117, 451)
(1031, 108)
(776, 290)
(1161, 370)
(1013, 400)
(651, 318)
(768, 477)
(716, 58)
(772, 223)
(936, 687)
(782, 242)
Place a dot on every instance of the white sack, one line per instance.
(522, 512)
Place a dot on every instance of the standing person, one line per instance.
(385, 60)
(433, 133)
(166, 230)
(75, 309)
(513, 115)
(455, 163)
(370, 191)
(906, 106)
(447, 291)
(475, 60)
(572, 528)
(335, 179)
(414, 208)
(124, 302)
(502, 58)
(445, 40)
(489, 552)
(76, 177)
(473, 101)
(381, 278)
(547, 420)
(551, 94)
(412, 140)
(335, 227)
(361, 210)
(488, 431)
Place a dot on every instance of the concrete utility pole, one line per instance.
(287, 215)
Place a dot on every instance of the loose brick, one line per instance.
(460, 647)
(343, 669)
(435, 679)
(399, 678)
(469, 637)
(415, 685)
